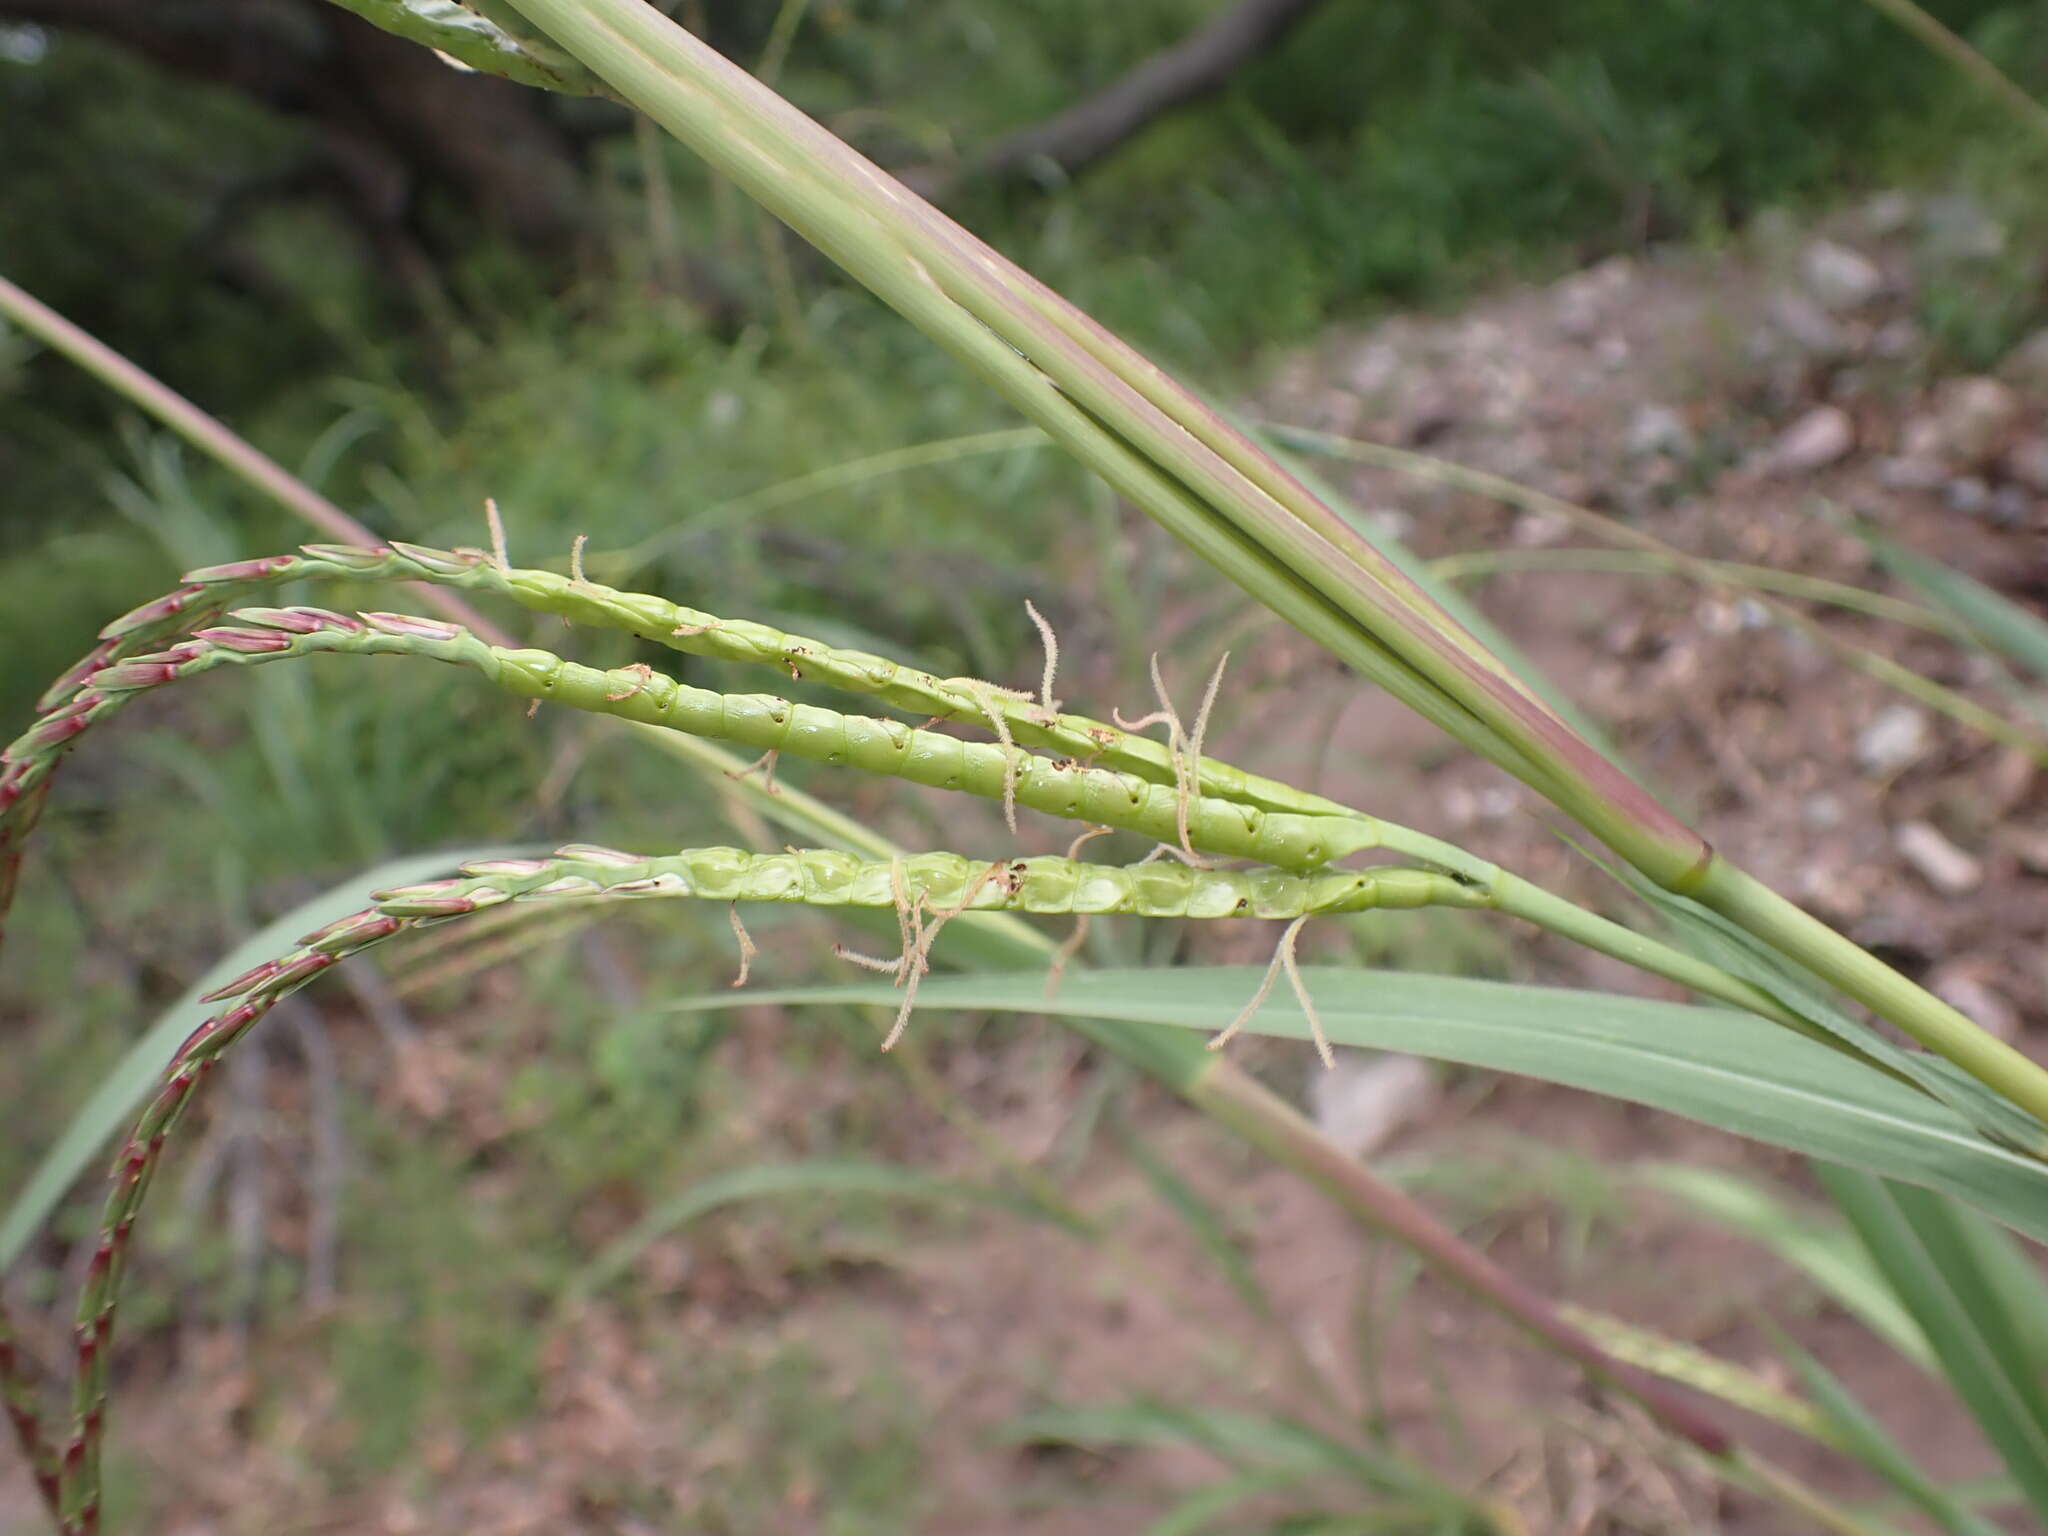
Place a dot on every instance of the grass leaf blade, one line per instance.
(1919, 1243)
(1742, 1074)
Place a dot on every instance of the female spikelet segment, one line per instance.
(1048, 886)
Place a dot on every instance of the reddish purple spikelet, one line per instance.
(432, 906)
(133, 676)
(250, 979)
(434, 898)
(355, 556)
(231, 1023)
(169, 606)
(299, 621)
(412, 625)
(53, 730)
(76, 677)
(300, 968)
(261, 569)
(351, 932)
(447, 562)
(514, 868)
(249, 642)
(591, 853)
(181, 1083)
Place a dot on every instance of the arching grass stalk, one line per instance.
(124, 667)
(1025, 719)
(1221, 809)
(1206, 1081)
(766, 722)
(584, 874)
(1210, 484)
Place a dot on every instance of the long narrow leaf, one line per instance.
(1998, 623)
(1811, 1240)
(834, 1177)
(1920, 1244)
(1856, 1431)
(1246, 1442)
(1726, 1069)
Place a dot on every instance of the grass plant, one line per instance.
(1958, 1123)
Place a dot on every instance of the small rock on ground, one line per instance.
(1938, 861)
(1896, 739)
(1363, 1100)
(1841, 278)
(1823, 436)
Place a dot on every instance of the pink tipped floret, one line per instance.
(169, 606)
(130, 676)
(590, 853)
(62, 689)
(298, 621)
(432, 898)
(446, 561)
(351, 932)
(411, 624)
(52, 730)
(248, 981)
(249, 642)
(240, 570)
(300, 968)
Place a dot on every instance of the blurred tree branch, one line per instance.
(1067, 143)
(391, 119)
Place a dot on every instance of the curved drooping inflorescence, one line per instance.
(72, 704)
(942, 884)
(1116, 779)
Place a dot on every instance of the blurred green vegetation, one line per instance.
(1387, 154)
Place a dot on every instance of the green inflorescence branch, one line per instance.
(1165, 792)
(1223, 811)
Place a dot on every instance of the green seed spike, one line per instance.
(1028, 721)
(1319, 830)
(1046, 886)
(1266, 821)
(768, 723)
